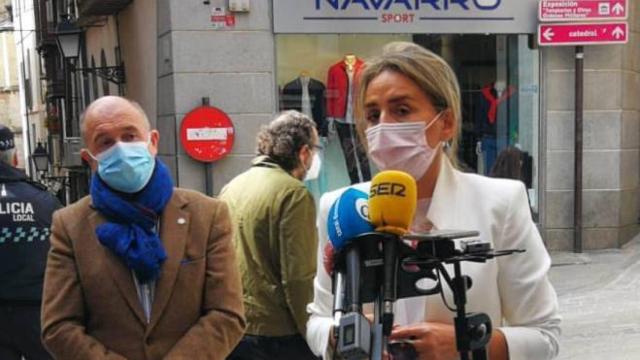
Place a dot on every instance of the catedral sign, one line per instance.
(405, 16)
(583, 34)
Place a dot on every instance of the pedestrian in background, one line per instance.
(25, 218)
(139, 269)
(275, 238)
(509, 164)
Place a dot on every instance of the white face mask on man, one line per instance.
(402, 146)
(314, 169)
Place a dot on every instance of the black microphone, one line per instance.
(392, 205)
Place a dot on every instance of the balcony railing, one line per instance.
(45, 27)
(101, 7)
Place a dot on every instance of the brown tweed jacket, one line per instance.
(90, 305)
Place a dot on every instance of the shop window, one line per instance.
(499, 81)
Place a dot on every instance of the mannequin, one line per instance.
(499, 86)
(341, 84)
(350, 62)
(491, 105)
(306, 94)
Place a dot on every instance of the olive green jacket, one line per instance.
(275, 239)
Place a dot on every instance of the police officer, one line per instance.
(25, 219)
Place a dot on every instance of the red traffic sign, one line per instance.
(207, 134)
(583, 34)
(583, 10)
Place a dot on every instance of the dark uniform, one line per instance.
(25, 220)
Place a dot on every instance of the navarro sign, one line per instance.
(408, 4)
(405, 16)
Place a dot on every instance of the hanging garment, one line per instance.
(491, 96)
(293, 98)
(338, 88)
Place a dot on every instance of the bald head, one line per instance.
(112, 119)
(110, 107)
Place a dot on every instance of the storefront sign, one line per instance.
(207, 134)
(405, 16)
(583, 10)
(583, 34)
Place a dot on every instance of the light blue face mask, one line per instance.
(126, 166)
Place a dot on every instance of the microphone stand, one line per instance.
(473, 330)
(379, 341)
(359, 339)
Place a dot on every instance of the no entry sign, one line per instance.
(583, 10)
(207, 134)
(583, 34)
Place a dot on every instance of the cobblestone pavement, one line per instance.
(599, 294)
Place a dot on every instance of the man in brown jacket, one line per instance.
(139, 269)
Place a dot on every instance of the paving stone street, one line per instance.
(599, 296)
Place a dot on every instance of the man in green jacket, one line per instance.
(275, 239)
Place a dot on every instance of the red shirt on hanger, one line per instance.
(338, 86)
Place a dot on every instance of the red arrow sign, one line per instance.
(583, 10)
(583, 34)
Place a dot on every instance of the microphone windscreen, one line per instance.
(348, 218)
(392, 201)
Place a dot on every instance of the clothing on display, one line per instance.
(355, 156)
(492, 104)
(306, 95)
(341, 89)
(342, 80)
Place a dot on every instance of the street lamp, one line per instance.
(53, 184)
(68, 38)
(40, 158)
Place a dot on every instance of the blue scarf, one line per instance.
(130, 231)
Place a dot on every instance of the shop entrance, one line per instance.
(499, 83)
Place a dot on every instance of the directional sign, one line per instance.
(583, 34)
(583, 10)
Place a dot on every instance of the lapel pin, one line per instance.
(182, 221)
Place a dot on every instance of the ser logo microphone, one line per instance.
(362, 207)
(388, 188)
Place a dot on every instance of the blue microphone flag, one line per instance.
(348, 217)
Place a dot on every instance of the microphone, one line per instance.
(392, 205)
(392, 201)
(348, 218)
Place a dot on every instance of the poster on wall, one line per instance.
(221, 19)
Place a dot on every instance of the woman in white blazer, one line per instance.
(410, 106)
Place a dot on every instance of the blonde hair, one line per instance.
(427, 70)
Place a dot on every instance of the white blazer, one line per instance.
(513, 290)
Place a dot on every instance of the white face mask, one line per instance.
(402, 146)
(314, 169)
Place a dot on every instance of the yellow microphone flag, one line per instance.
(392, 201)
